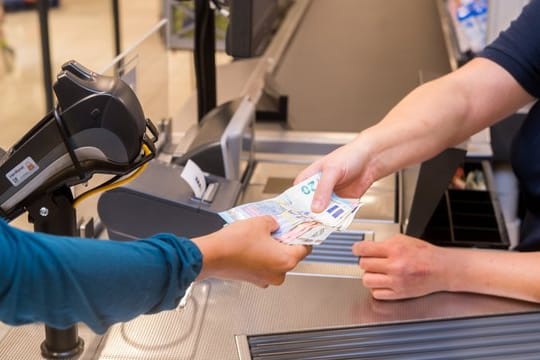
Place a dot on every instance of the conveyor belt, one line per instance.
(491, 337)
(336, 248)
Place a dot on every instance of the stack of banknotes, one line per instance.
(292, 209)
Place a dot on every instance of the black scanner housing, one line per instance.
(98, 126)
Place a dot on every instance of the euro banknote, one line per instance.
(292, 210)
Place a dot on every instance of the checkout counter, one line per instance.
(322, 311)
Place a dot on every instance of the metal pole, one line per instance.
(43, 11)
(54, 214)
(116, 25)
(205, 57)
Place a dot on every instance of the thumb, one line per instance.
(324, 190)
(270, 223)
(299, 251)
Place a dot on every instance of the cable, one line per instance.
(68, 143)
(114, 184)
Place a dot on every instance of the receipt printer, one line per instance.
(159, 200)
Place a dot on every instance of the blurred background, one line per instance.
(80, 30)
(83, 31)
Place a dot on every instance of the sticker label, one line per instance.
(22, 171)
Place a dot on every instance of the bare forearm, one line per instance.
(442, 113)
(433, 117)
(213, 256)
(501, 273)
(423, 124)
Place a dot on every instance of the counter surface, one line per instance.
(218, 311)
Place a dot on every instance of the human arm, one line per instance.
(231, 253)
(433, 117)
(63, 280)
(406, 267)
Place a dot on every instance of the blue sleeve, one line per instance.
(63, 280)
(517, 49)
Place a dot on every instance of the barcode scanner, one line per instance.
(98, 126)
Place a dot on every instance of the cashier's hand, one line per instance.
(246, 251)
(401, 267)
(345, 171)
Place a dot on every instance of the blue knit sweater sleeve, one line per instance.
(63, 280)
(517, 49)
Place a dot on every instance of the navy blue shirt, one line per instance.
(64, 280)
(517, 50)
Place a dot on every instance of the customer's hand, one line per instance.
(246, 251)
(402, 267)
(345, 171)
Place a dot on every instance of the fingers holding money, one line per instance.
(292, 210)
(348, 171)
(270, 223)
(254, 255)
(329, 178)
(245, 250)
(298, 252)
